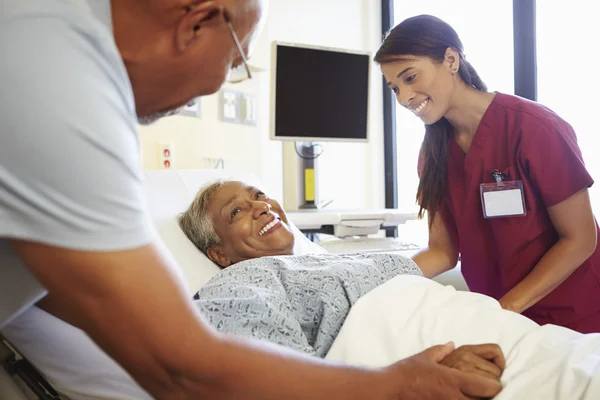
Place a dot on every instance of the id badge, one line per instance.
(502, 198)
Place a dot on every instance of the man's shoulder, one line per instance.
(63, 53)
(76, 29)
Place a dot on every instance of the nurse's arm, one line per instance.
(441, 254)
(574, 222)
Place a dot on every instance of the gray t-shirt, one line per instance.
(70, 171)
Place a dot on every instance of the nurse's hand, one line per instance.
(422, 377)
(486, 360)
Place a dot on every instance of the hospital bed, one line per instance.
(66, 357)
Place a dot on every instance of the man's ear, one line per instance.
(215, 253)
(452, 60)
(188, 27)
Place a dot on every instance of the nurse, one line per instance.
(502, 181)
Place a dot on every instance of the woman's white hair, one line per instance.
(197, 223)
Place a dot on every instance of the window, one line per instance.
(486, 30)
(568, 81)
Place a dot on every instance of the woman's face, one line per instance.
(249, 224)
(423, 86)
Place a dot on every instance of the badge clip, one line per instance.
(498, 176)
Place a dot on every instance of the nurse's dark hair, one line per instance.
(429, 36)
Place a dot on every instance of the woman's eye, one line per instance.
(260, 194)
(234, 212)
(395, 90)
(411, 78)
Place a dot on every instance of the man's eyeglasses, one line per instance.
(237, 75)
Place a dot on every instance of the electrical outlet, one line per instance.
(229, 106)
(165, 156)
(249, 109)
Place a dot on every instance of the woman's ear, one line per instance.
(452, 60)
(190, 24)
(215, 253)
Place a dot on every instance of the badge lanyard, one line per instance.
(502, 198)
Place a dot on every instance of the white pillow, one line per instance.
(196, 267)
(71, 362)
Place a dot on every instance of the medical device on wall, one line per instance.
(318, 95)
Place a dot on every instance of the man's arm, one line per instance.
(132, 304)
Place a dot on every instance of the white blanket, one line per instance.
(409, 314)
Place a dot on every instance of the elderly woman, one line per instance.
(296, 301)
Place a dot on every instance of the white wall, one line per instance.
(350, 173)
(240, 146)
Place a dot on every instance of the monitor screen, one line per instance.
(319, 94)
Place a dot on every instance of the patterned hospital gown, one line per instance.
(299, 302)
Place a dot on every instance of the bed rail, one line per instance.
(35, 386)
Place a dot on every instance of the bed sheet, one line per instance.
(409, 314)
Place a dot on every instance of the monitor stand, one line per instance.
(307, 152)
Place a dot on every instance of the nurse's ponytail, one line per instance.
(429, 36)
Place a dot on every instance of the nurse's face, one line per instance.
(249, 224)
(422, 85)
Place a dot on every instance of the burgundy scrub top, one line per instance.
(527, 142)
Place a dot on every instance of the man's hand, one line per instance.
(485, 360)
(422, 377)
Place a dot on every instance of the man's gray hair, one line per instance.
(197, 223)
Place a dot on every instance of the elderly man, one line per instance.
(75, 237)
